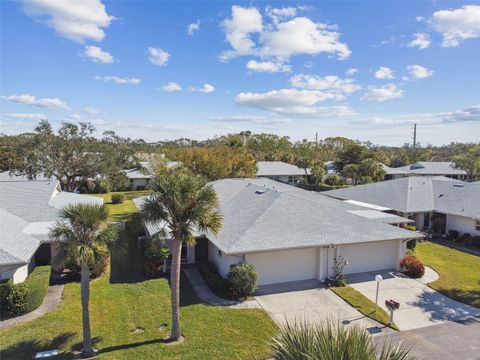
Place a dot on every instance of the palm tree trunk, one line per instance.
(85, 292)
(175, 289)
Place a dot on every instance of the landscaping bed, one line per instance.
(459, 271)
(363, 304)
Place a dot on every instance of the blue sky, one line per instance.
(163, 70)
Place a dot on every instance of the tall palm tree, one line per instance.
(181, 203)
(84, 234)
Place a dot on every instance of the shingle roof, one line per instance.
(28, 208)
(418, 194)
(261, 215)
(426, 168)
(279, 168)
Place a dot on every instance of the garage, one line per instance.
(284, 266)
(369, 256)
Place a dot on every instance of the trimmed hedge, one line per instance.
(215, 282)
(412, 267)
(243, 278)
(19, 299)
(118, 198)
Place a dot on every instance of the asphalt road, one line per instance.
(449, 341)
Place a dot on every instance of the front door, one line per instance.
(201, 250)
(439, 223)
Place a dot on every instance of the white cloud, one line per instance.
(27, 99)
(332, 84)
(158, 56)
(75, 117)
(421, 40)
(117, 79)
(352, 71)
(91, 111)
(469, 114)
(172, 87)
(19, 116)
(206, 89)
(419, 72)
(384, 72)
(382, 93)
(280, 40)
(457, 25)
(243, 23)
(278, 14)
(97, 55)
(268, 66)
(191, 28)
(74, 20)
(255, 119)
(293, 102)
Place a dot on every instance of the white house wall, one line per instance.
(462, 225)
(370, 256)
(221, 260)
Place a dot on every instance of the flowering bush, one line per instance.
(412, 267)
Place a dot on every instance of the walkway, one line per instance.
(50, 303)
(206, 295)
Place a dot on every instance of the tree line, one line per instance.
(83, 161)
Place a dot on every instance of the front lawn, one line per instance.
(123, 211)
(459, 272)
(130, 315)
(363, 304)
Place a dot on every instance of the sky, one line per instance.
(158, 70)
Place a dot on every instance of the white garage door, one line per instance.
(368, 256)
(283, 266)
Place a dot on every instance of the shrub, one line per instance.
(328, 340)
(37, 284)
(215, 282)
(96, 270)
(411, 245)
(118, 198)
(411, 227)
(152, 268)
(412, 267)
(464, 238)
(453, 234)
(243, 278)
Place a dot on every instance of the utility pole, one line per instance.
(414, 136)
(316, 138)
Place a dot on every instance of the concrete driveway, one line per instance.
(311, 302)
(420, 306)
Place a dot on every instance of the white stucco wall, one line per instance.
(222, 260)
(462, 225)
(138, 182)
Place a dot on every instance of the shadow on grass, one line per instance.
(28, 348)
(133, 345)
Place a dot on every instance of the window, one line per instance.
(426, 220)
(477, 225)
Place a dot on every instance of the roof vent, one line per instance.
(458, 185)
(260, 191)
(441, 195)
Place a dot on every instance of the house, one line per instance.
(438, 204)
(291, 234)
(138, 178)
(281, 171)
(425, 168)
(28, 210)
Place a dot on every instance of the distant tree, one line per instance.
(351, 153)
(470, 162)
(370, 170)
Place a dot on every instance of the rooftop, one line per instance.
(426, 168)
(279, 168)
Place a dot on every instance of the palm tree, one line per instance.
(181, 203)
(84, 234)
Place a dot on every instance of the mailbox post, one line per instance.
(391, 305)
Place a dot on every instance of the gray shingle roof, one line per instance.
(28, 208)
(418, 194)
(261, 215)
(279, 168)
(426, 168)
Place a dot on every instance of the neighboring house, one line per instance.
(281, 171)
(291, 234)
(138, 178)
(28, 210)
(438, 204)
(425, 168)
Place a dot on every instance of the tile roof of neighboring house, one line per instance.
(418, 194)
(279, 168)
(426, 168)
(28, 208)
(263, 215)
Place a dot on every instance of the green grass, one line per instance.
(37, 283)
(363, 304)
(459, 272)
(127, 209)
(126, 301)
